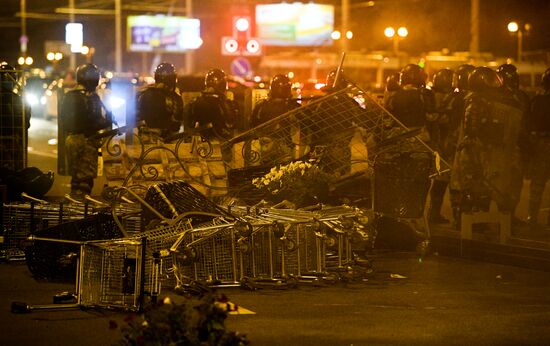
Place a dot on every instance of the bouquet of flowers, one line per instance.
(193, 322)
(299, 182)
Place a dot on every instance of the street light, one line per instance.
(515, 28)
(54, 56)
(25, 60)
(336, 35)
(401, 33)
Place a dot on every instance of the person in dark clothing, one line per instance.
(455, 111)
(518, 99)
(160, 105)
(83, 115)
(279, 101)
(538, 126)
(413, 105)
(212, 114)
(443, 91)
(14, 122)
(487, 154)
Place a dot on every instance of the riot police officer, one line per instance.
(82, 115)
(160, 105)
(455, 111)
(487, 154)
(341, 83)
(519, 99)
(538, 126)
(413, 105)
(212, 114)
(14, 120)
(278, 102)
(443, 92)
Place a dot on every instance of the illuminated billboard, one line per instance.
(294, 24)
(162, 34)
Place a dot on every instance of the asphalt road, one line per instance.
(437, 301)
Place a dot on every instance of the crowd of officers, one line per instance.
(490, 131)
(478, 119)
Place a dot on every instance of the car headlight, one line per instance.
(43, 100)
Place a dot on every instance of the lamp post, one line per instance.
(25, 61)
(54, 57)
(396, 35)
(515, 28)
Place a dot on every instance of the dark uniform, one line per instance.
(330, 142)
(82, 115)
(538, 126)
(516, 98)
(488, 154)
(212, 114)
(160, 105)
(14, 122)
(278, 102)
(455, 111)
(413, 105)
(443, 92)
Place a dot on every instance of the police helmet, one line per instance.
(8, 76)
(216, 80)
(87, 75)
(341, 83)
(392, 82)
(443, 81)
(483, 78)
(166, 73)
(545, 81)
(509, 75)
(280, 87)
(412, 74)
(461, 75)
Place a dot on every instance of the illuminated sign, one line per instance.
(294, 24)
(163, 34)
(74, 36)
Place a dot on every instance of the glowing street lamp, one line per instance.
(401, 33)
(27, 61)
(515, 28)
(54, 56)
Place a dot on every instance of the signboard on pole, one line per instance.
(241, 67)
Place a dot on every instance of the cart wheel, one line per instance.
(20, 308)
(292, 282)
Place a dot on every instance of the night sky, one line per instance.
(433, 25)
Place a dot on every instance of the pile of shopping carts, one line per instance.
(273, 247)
(201, 243)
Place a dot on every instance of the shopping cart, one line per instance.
(20, 219)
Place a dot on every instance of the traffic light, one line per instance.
(241, 42)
